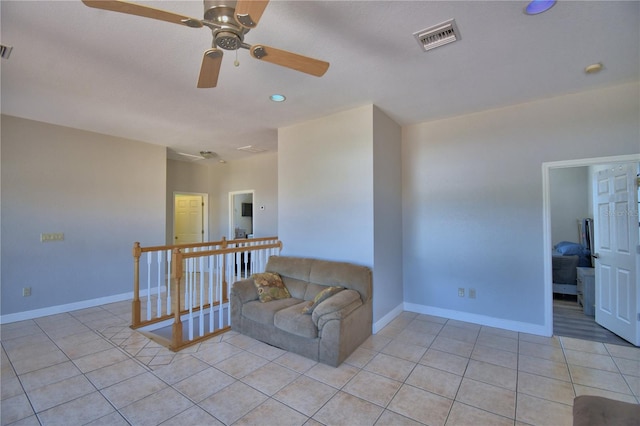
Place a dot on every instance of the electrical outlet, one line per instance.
(472, 293)
(26, 292)
(461, 292)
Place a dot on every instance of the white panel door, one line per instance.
(188, 215)
(616, 250)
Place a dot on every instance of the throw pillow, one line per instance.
(321, 296)
(270, 286)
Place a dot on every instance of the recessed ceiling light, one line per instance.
(277, 98)
(593, 68)
(538, 6)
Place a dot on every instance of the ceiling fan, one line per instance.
(229, 22)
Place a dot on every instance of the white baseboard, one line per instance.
(382, 322)
(59, 309)
(522, 327)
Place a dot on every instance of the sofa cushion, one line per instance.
(264, 312)
(322, 295)
(270, 287)
(344, 274)
(336, 307)
(294, 267)
(293, 321)
(297, 288)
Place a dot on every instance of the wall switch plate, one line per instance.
(57, 236)
(26, 292)
(472, 293)
(461, 292)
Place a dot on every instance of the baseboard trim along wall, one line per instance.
(522, 327)
(382, 322)
(59, 309)
(518, 326)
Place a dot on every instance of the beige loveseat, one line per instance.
(336, 326)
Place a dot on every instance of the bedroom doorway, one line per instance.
(190, 218)
(568, 314)
(241, 214)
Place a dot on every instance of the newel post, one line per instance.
(135, 305)
(176, 275)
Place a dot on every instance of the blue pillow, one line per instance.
(567, 248)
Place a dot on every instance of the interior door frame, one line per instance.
(546, 222)
(232, 194)
(205, 213)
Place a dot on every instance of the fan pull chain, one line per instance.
(236, 62)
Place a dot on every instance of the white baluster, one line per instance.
(230, 282)
(201, 318)
(159, 301)
(219, 276)
(191, 291)
(168, 281)
(187, 280)
(211, 294)
(148, 286)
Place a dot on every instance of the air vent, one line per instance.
(438, 35)
(251, 148)
(5, 51)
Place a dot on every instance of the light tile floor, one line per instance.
(88, 367)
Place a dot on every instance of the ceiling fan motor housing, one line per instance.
(228, 34)
(227, 40)
(219, 11)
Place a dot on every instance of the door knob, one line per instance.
(595, 255)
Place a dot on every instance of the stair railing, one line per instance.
(186, 282)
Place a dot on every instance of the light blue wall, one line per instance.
(340, 196)
(472, 193)
(325, 187)
(387, 215)
(104, 193)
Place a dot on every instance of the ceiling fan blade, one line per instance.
(210, 68)
(290, 60)
(249, 12)
(144, 11)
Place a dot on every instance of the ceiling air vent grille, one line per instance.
(5, 51)
(438, 35)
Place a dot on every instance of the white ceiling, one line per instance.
(135, 77)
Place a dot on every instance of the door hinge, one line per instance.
(638, 316)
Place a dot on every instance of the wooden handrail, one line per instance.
(223, 242)
(226, 250)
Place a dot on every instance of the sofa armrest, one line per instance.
(244, 290)
(337, 307)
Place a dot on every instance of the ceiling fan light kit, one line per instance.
(229, 22)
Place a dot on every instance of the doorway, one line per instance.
(241, 214)
(190, 218)
(547, 225)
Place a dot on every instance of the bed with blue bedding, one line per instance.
(566, 257)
